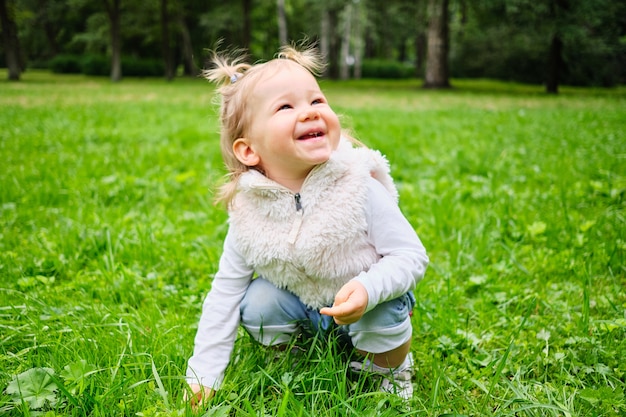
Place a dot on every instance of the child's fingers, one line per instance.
(327, 311)
(340, 306)
(343, 314)
(334, 311)
(199, 394)
(342, 296)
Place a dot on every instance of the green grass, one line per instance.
(109, 239)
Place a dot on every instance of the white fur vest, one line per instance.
(313, 242)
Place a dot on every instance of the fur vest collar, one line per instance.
(313, 242)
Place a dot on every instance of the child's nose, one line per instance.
(309, 114)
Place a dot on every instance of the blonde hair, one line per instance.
(235, 81)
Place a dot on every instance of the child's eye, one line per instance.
(317, 101)
(284, 107)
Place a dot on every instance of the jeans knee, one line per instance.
(264, 304)
(385, 327)
(254, 301)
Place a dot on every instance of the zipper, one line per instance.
(295, 228)
(298, 203)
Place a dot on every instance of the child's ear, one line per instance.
(245, 153)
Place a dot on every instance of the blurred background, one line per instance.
(550, 42)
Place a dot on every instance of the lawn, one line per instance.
(109, 239)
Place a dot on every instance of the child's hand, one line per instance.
(350, 303)
(199, 394)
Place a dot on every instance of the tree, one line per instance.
(576, 42)
(168, 59)
(330, 36)
(547, 41)
(360, 17)
(247, 23)
(555, 60)
(189, 66)
(344, 55)
(114, 13)
(48, 16)
(282, 22)
(10, 40)
(420, 39)
(436, 75)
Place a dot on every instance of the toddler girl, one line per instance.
(316, 239)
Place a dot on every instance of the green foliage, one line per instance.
(482, 53)
(510, 40)
(76, 376)
(109, 240)
(95, 65)
(504, 39)
(591, 63)
(101, 65)
(138, 67)
(386, 69)
(66, 64)
(34, 387)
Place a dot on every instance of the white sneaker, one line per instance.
(394, 381)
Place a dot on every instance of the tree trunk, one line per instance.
(10, 40)
(247, 25)
(554, 65)
(49, 28)
(165, 42)
(344, 68)
(330, 21)
(436, 75)
(189, 66)
(558, 8)
(282, 22)
(324, 38)
(420, 54)
(421, 39)
(402, 52)
(113, 11)
(359, 18)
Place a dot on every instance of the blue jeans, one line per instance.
(272, 316)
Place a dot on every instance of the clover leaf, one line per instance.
(34, 387)
(75, 375)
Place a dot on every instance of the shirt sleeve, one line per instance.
(403, 259)
(219, 322)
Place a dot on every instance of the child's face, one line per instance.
(292, 128)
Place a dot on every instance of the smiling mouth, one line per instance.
(311, 135)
